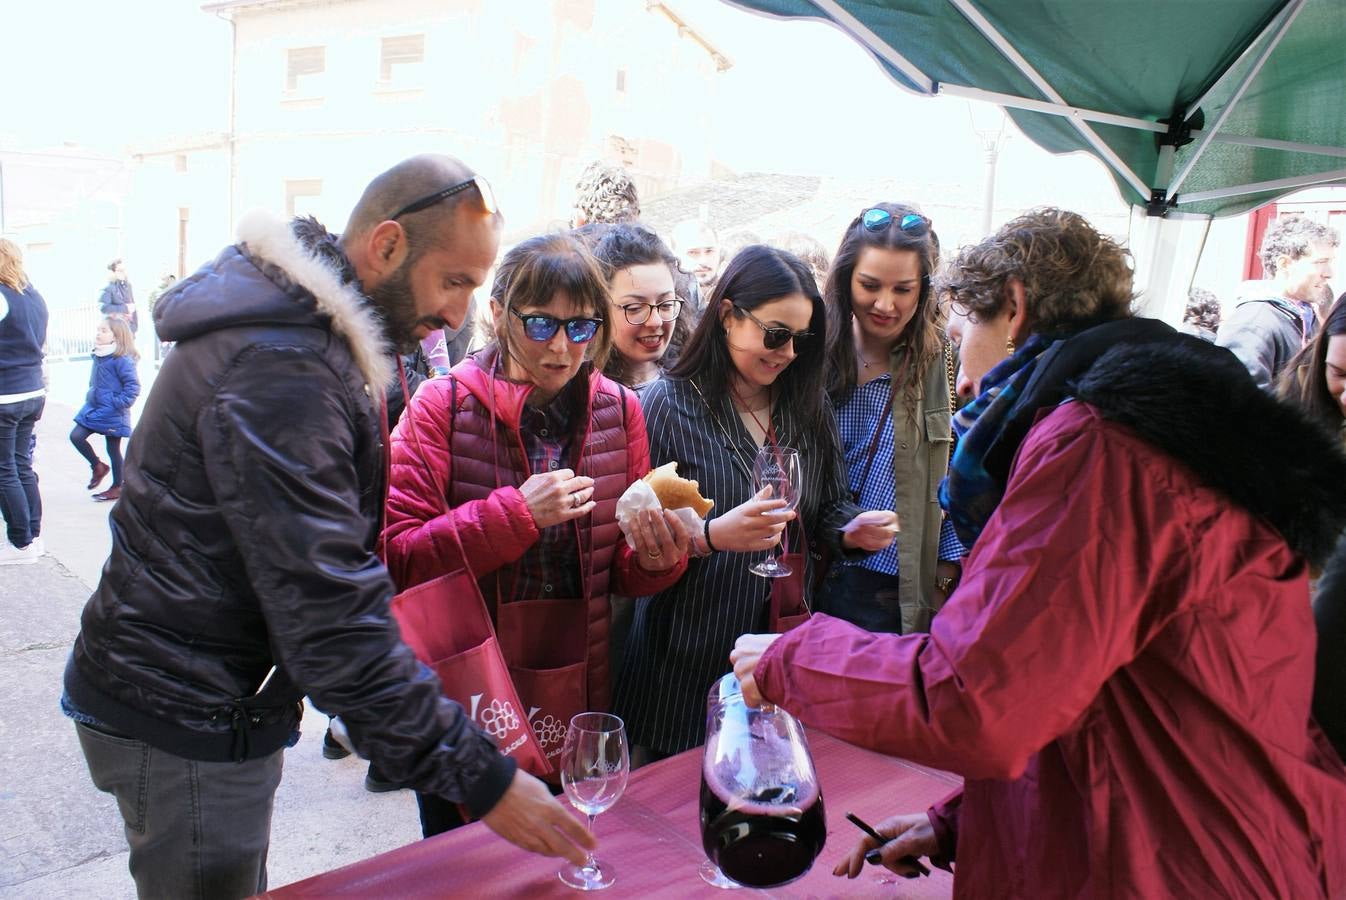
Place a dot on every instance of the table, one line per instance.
(653, 838)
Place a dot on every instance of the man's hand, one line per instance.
(908, 836)
(747, 652)
(528, 816)
(556, 497)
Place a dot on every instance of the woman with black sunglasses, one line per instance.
(751, 374)
(889, 375)
(533, 446)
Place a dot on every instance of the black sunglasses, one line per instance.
(482, 186)
(775, 338)
(541, 327)
(879, 219)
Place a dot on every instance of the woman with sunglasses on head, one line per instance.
(649, 320)
(889, 373)
(750, 375)
(533, 446)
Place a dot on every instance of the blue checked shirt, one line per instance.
(857, 418)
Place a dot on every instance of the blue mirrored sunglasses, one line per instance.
(540, 327)
(879, 219)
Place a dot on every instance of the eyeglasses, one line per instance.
(775, 338)
(482, 186)
(639, 313)
(540, 327)
(876, 220)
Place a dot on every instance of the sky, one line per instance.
(136, 71)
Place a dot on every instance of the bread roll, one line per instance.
(676, 492)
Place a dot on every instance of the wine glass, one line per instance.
(778, 469)
(595, 763)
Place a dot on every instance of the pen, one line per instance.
(872, 857)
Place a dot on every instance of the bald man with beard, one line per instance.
(243, 574)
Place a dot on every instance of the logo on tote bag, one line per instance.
(550, 731)
(497, 718)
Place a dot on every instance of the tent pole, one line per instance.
(861, 32)
(1045, 106)
(997, 40)
(1291, 12)
(1273, 144)
(1270, 27)
(1259, 186)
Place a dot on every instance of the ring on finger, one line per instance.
(654, 554)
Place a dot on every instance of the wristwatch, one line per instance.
(946, 584)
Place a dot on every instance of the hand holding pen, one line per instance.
(897, 845)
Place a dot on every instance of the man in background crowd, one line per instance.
(1267, 328)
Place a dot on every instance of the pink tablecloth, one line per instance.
(652, 838)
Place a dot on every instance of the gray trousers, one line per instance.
(196, 829)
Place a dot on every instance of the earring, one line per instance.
(1009, 345)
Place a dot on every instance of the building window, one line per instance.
(180, 162)
(301, 196)
(399, 54)
(301, 62)
(621, 81)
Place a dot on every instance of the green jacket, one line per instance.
(920, 460)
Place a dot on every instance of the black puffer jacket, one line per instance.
(245, 533)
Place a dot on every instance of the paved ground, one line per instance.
(59, 837)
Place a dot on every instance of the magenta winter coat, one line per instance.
(494, 523)
(1123, 677)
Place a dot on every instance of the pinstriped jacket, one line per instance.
(681, 637)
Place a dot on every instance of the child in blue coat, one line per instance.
(113, 387)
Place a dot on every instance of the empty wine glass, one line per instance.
(776, 468)
(595, 763)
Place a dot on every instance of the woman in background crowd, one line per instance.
(650, 323)
(1121, 677)
(889, 374)
(510, 434)
(1315, 379)
(750, 375)
(23, 394)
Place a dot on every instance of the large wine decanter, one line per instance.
(762, 821)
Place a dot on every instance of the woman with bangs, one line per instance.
(533, 446)
(890, 374)
(751, 374)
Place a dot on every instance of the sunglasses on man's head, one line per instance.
(879, 219)
(773, 338)
(483, 188)
(541, 327)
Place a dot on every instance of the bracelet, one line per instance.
(706, 531)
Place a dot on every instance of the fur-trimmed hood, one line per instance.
(311, 279)
(1196, 402)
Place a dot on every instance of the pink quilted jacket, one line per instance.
(494, 523)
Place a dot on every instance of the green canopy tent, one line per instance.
(1197, 107)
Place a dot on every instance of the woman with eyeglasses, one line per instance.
(649, 320)
(751, 374)
(533, 446)
(889, 374)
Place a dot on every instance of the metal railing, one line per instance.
(70, 331)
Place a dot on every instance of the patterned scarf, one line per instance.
(970, 493)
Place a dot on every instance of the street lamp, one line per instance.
(988, 123)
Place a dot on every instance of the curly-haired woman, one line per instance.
(1122, 677)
